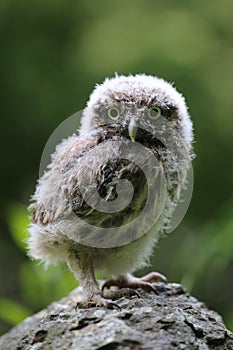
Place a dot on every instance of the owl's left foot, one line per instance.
(129, 281)
(119, 293)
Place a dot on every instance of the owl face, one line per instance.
(137, 121)
(138, 107)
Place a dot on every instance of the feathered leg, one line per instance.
(80, 263)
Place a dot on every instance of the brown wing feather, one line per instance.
(52, 197)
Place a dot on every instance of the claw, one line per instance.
(120, 293)
(108, 284)
(97, 302)
(154, 291)
(112, 306)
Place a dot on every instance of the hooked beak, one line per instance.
(132, 129)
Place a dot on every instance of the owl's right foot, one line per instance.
(97, 301)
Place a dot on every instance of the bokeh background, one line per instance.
(52, 54)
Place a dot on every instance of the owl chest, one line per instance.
(113, 185)
(122, 186)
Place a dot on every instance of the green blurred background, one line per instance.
(52, 54)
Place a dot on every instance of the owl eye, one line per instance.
(113, 113)
(154, 112)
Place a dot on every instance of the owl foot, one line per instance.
(129, 281)
(120, 293)
(97, 301)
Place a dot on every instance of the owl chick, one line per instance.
(87, 169)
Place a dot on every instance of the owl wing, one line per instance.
(57, 193)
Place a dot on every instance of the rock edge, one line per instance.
(173, 319)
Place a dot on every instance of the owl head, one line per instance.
(138, 107)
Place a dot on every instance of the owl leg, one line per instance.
(80, 263)
(129, 281)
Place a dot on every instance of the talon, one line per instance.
(77, 306)
(133, 292)
(108, 284)
(97, 301)
(105, 285)
(120, 293)
(154, 290)
(113, 306)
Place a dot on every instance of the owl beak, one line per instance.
(132, 129)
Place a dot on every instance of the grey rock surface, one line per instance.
(170, 320)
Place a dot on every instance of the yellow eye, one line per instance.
(154, 112)
(113, 113)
